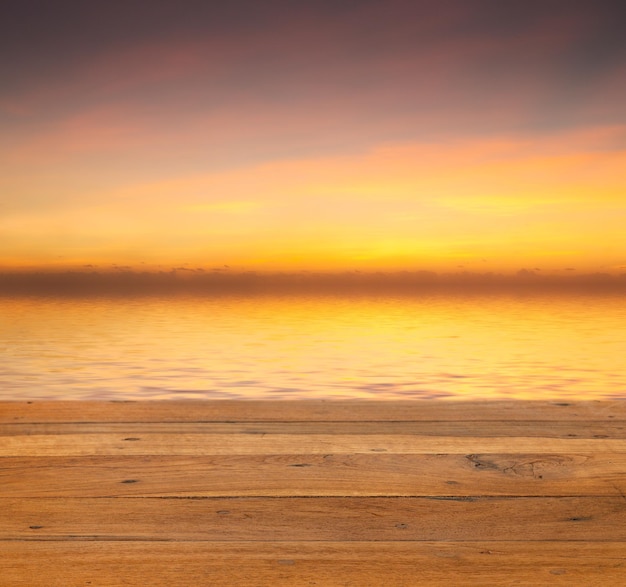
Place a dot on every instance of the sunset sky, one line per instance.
(487, 135)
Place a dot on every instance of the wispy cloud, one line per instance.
(314, 134)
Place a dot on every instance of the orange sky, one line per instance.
(395, 135)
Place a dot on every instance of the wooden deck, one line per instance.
(310, 493)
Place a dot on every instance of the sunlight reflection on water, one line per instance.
(320, 347)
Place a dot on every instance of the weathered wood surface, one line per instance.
(310, 411)
(246, 444)
(597, 474)
(305, 564)
(481, 429)
(312, 493)
(318, 519)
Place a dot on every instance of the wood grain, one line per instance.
(320, 518)
(224, 444)
(484, 429)
(329, 564)
(332, 564)
(310, 411)
(599, 474)
(312, 493)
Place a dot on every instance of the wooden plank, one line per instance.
(140, 495)
(488, 429)
(308, 519)
(600, 474)
(309, 410)
(328, 564)
(222, 444)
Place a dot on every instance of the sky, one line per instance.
(342, 135)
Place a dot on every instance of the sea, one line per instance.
(334, 347)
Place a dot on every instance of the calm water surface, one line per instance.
(324, 347)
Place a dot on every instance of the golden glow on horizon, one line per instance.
(500, 348)
(486, 204)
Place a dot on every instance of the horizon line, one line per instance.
(185, 280)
